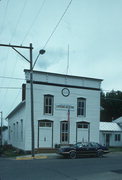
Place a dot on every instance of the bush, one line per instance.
(10, 151)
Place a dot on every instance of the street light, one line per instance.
(31, 82)
(31, 88)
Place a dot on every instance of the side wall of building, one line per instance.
(111, 138)
(16, 128)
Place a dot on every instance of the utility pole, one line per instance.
(30, 48)
(1, 127)
(32, 105)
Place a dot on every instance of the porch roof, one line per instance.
(109, 126)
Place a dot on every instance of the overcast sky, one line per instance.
(91, 28)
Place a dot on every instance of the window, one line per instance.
(14, 130)
(21, 130)
(81, 107)
(17, 130)
(45, 124)
(82, 125)
(9, 129)
(48, 104)
(117, 137)
(64, 132)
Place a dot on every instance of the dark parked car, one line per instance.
(83, 149)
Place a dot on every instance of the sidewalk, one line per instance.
(55, 156)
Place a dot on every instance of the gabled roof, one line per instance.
(109, 126)
(16, 109)
(119, 120)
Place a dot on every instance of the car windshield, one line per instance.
(81, 144)
(95, 144)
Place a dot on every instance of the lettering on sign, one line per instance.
(64, 107)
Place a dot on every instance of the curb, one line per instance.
(30, 158)
(44, 156)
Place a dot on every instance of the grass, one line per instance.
(9, 151)
(115, 149)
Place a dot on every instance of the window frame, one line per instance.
(17, 130)
(14, 130)
(46, 124)
(64, 132)
(49, 105)
(117, 137)
(81, 107)
(21, 130)
(83, 125)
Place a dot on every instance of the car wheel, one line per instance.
(72, 155)
(99, 153)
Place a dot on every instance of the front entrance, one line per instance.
(45, 134)
(64, 132)
(107, 139)
(82, 132)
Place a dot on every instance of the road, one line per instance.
(107, 168)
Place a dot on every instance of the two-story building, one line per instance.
(66, 111)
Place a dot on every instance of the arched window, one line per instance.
(81, 107)
(83, 125)
(45, 123)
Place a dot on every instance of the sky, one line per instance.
(86, 40)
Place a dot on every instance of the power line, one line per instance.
(5, 12)
(67, 61)
(57, 24)
(6, 77)
(33, 22)
(14, 101)
(54, 29)
(20, 15)
(10, 88)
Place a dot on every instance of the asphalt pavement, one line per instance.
(50, 166)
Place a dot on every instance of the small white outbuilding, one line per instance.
(110, 134)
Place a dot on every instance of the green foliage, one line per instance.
(115, 149)
(9, 151)
(112, 104)
(3, 128)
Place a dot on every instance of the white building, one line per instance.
(5, 136)
(111, 133)
(66, 110)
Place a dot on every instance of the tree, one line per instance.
(112, 104)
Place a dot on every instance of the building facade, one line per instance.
(66, 111)
(111, 133)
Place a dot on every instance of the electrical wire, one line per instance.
(10, 88)
(47, 90)
(4, 17)
(33, 22)
(57, 24)
(55, 28)
(12, 105)
(19, 18)
(7, 77)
